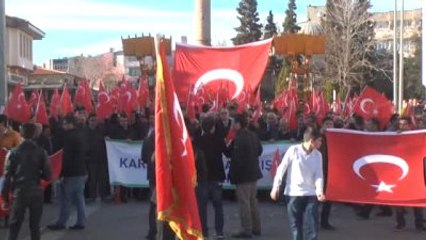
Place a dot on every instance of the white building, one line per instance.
(19, 49)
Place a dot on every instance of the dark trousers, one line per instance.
(48, 194)
(325, 213)
(213, 191)
(297, 208)
(418, 216)
(164, 232)
(98, 181)
(152, 215)
(22, 199)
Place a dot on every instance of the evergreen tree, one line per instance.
(250, 30)
(270, 27)
(290, 21)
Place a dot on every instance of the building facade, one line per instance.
(384, 27)
(19, 51)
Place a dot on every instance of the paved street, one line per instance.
(129, 221)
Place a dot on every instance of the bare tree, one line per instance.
(103, 67)
(350, 50)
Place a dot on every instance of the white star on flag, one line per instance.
(383, 187)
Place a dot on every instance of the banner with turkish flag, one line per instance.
(174, 159)
(372, 104)
(209, 67)
(376, 167)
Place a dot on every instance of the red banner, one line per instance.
(212, 67)
(376, 168)
(174, 159)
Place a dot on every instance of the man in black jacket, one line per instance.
(244, 173)
(74, 176)
(212, 145)
(25, 166)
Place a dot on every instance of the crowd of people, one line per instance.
(84, 176)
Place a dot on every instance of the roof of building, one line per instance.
(310, 28)
(44, 71)
(26, 26)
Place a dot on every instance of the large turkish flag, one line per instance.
(377, 168)
(209, 67)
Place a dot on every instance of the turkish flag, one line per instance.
(83, 96)
(127, 100)
(104, 107)
(275, 163)
(376, 168)
(65, 102)
(258, 107)
(33, 101)
(55, 103)
(41, 112)
(372, 104)
(17, 108)
(56, 166)
(210, 66)
(143, 92)
(174, 157)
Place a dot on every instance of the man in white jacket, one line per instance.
(303, 184)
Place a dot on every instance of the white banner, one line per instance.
(126, 167)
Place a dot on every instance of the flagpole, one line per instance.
(401, 59)
(38, 103)
(395, 61)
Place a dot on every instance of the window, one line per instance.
(21, 45)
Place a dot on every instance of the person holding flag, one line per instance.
(304, 184)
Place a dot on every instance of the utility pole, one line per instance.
(395, 61)
(3, 79)
(401, 59)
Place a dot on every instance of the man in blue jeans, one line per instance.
(304, 184)
(73, 176)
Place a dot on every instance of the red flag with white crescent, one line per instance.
(33, 101)
(210, 67)
(41, 112)
(275, 163)
(174, 159)
(17, 108)
(66, 106)
(377, 168)
(372, 104)
(105, 106)
(56, 166)
(55, 102)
